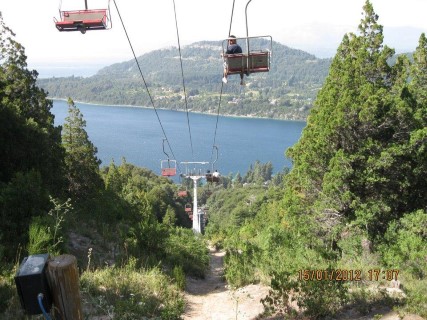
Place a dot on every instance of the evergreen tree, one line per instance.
(81, 162)
(28, 137)
(169, 218)
(31, 154)
(418, 136)
(352, 161)
(114, 180)
(237, 179)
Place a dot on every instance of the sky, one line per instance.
(311, 25)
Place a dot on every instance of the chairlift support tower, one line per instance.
(195, 174)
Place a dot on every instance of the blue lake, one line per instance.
(136, 134)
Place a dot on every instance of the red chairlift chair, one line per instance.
(84, 20)
(168, 168)
(182, 193)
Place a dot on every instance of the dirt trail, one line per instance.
(211, 298)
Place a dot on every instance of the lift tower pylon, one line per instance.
(195, 171)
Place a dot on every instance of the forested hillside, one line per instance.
(286, 92)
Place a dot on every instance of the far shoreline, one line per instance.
(196, 112)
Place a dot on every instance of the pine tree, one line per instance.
(352, 163)
(28, 138)
(418, 137)
(31, 155)
(81, 162)
(114, 181)
(419, 72)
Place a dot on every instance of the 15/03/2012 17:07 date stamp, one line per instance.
(347, 275)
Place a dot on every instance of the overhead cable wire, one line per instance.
(222, 88)
(217, 120)
(183, 81)
(143, 79)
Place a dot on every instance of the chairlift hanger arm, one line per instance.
(163, 145)
(214, 147)
(247, 28)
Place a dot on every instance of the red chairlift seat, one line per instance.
(168, 168)
(168, 172)
(182, 193)
(83, 20)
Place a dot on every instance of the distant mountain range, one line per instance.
(286, 92)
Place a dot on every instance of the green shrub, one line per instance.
(406, 244)
(45, 232)
(364, 299)
(416, 296)
(315, 298)
(184, 248)
(239, 265)
(40, 238)
(131, 293)
(179, 277)
(21, 199)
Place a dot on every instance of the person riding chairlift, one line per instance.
(232, 48)
(216, 174)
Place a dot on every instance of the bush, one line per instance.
(315, 298)
(239, 265)
(185, 249)
(45, 232)
(131, 293)
(21, 199)
(405, 249)
(179, 277)
(406, 246)
(416, 297)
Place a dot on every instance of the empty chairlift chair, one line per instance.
(83, 20)
(188, 208)
(168, 167)
(182, 193)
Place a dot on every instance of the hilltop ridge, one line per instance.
(286, 92)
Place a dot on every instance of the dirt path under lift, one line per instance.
(212, 299)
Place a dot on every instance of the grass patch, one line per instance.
(130, 293)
